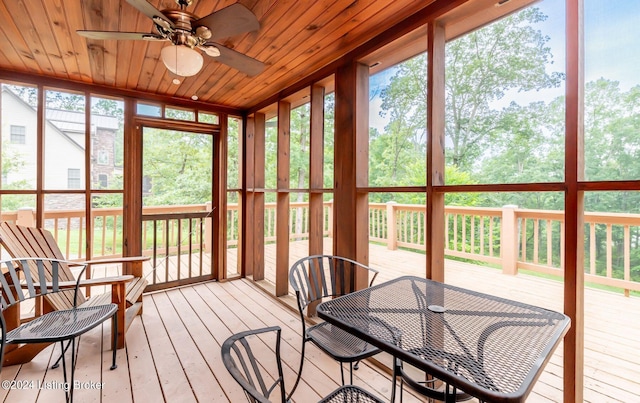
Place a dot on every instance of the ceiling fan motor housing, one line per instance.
(183, 33)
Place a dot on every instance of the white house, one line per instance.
(63, 149)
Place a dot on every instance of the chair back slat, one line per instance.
(332, 275)
(29, 280)
(15, 281)
(315, 290)
(7, 294)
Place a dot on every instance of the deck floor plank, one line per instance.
(173, 380)
(145, 384)
(203, 383)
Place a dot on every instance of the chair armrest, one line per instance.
(112, 260)
(89, 283)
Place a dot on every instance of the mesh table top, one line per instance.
(490, 347)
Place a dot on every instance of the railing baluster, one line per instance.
(609, 254)
(592, 248)
(627, 257)
(536, 240)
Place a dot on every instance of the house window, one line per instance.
(73, 178)
(18, 134)
(103, 157)
(103, 181)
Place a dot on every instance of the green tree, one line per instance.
(178, 165)
(480, 68)
(398, 155)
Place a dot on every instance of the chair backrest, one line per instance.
(27, 278)
(259, 379)
(21, 241)
(321, 276)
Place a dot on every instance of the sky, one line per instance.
(612, 50)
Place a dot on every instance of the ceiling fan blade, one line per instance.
(237, 60)
(150, 11)
(102, 35)
(232, 20)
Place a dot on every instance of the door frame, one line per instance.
(132, 197)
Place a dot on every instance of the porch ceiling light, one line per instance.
(181, 60)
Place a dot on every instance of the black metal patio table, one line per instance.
(490, 347)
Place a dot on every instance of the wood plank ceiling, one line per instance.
(295, 39)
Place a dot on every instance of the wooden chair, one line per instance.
(20, 241)
(20, 282)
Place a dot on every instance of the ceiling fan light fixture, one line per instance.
(181, 60)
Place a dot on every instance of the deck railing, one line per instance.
(510, 238)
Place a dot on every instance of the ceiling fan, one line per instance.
(186, 32)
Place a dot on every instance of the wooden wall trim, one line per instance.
(282, 201)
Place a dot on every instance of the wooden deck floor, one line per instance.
(173, 349)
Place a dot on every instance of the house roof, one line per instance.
(74, 121)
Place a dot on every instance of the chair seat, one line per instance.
(350, 393)
(340, 345)
(61, 325)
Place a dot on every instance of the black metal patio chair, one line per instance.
(263, 380)
(314, 278)
(18, 283)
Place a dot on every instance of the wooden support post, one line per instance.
(316, 171)
(392, 227)
(509, 240)
(219, 215)
(282, 202)
(248, 185)
(26, 216)
(257, 231)
(351, 208)
(573, 356)
(132, 204)
(435, 225)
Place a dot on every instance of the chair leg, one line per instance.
(357, 365)
(394, 378)
(351, 373)
(64, 350)
(342, 373)
(295, 385)
(114, 337)
(74, 359)
(64, 371)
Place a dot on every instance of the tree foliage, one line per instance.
(182, 175)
